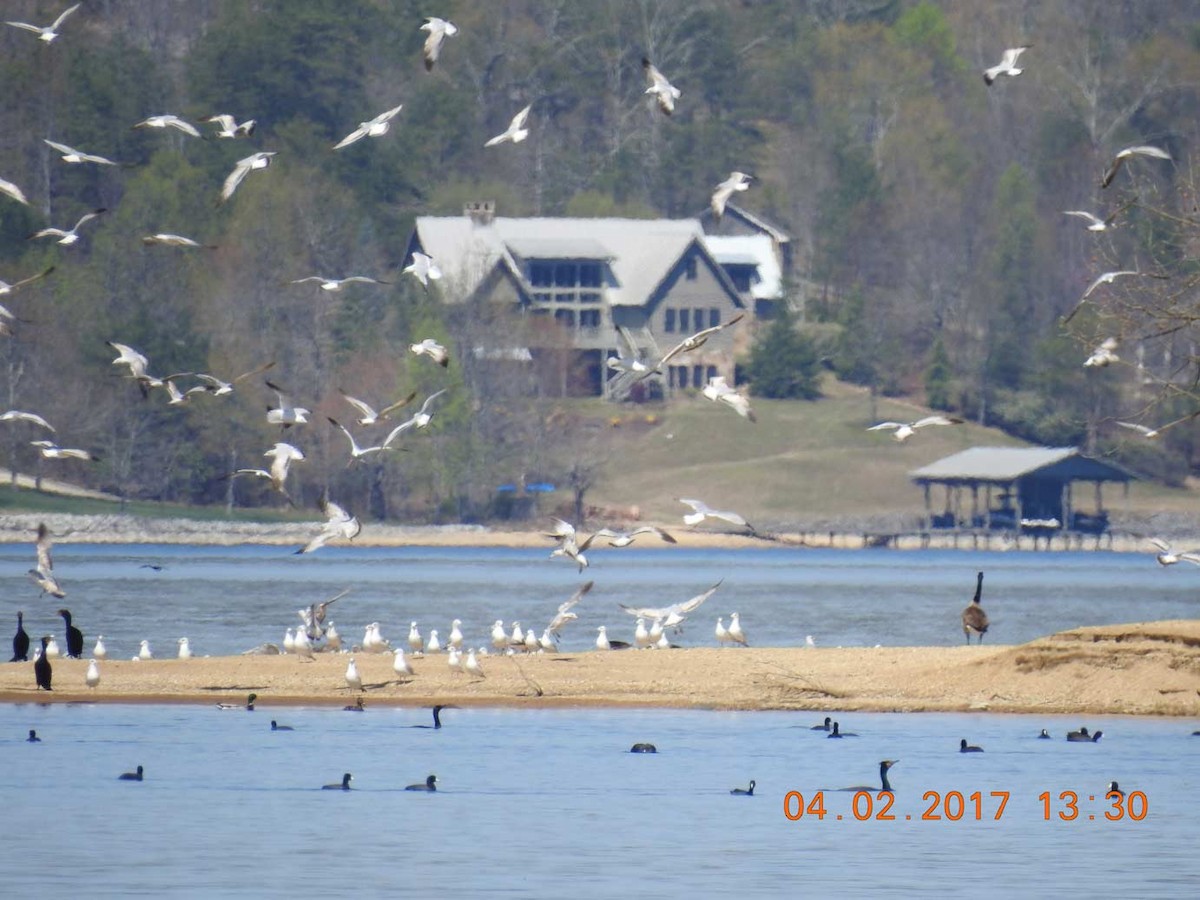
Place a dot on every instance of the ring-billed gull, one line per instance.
(49, 32)
(336, 284)
(664, 92)
(625, 538)
(420, 419)
(367, 413)
(167, 239)
(16, 415)
(905, 430)
(376, 127)
(423, 268)
(737, 181)
(431, 348)
(92, 678)
(1168, 557)
(169, 121)
(516, 131)
(1129, 153)
(1007, 66)
(1104, 355)
(338, 524)
(672, 616)
(51, 450)
(76, 157)
(8, 189)
(689, 343)
(244, 167)
(719, 392)
(286, 414)
(282, 456)
(68, 236)
(439, 30)
(228, 127)
(564, 614)
(701, 511)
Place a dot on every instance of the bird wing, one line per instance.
(25, 417)
(651, 529)
(54, 25)
(430, 399)
(87, 217)
(36, 29)
(397, 431)
(334, 513)
(399, 404)
(356, 135)
(1009, 59)
(561, 618)
(1160, 544)
(729, 516)
(7, 187)
(31, 278)
(937, 420)
(44, 563)
(1145, 150)
(692, 605)
(61, 148)
(697, 505)
(363, 279)
(354, 448)
(882, 425)
(234, 178)
(225, 121)
(366, 411)
(387, 116)
(307, 279)
(1140, 429)
(562, 529)
(1083, 214)
(1192, 556)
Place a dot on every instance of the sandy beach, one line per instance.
(1149, 668)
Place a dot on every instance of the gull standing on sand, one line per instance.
(456, 636)
(244, 167)
(499, 635)
(439, 30)
(289, 641)
(228, 127)
(721, 632)
(641, 637)
(100, 651)
(333, 640)
(338, 524)
(68, 236)
(516, 131)
(78, 157)
(472, 666)
(353, 679)
(736, 635)
(1129, 153)
(169, 121)
(664, 92)
(433, 645)
(11, 190)
(144, 652)
(431, 348)
(400, 663)
(1007, 66)
(49, 32)
(423, 268)
(701, 511)
(302, 646)
(415, 643)
(368, 414)
(737, 181)
(92, 678)
(905, 430)
(376, 127)
(185, 649)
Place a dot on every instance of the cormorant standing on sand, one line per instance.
(20, 641)
(974, 619)
(74, 636)
(41, 667)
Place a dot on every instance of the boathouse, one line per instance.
(1024, 489)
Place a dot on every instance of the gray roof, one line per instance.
(641, 251)
(1007, 464)
(558, 248)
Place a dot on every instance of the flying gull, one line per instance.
(664, 92)
(419, 419)
(516, 131)
(51, 450)
(16, 415)
(174, 240)
(1008, 65)
(692, 342)
(720, 392)
(1129, 153)
(244, 167)
(336, 284)
(282, 456)
(1168, 557)
(737, 181)
(219, 388)
(368, 415)
(1106, 278)
(228, 127)
(672, 616)
(569, 546)
(1103, 355)
(356, 451)
(564, 614)
(71, 155)
(137, 364)
(701, 511)
(423, 268)
(338, 524)
(69, 236)
(286, 414)
(6, 288)
(169, 121)
(375, 127)
(905, 430)
(431, 348)
(1095, 223)
(11, 190)
(43, 575)
(625, 538)
(439, 30)
(49, 32)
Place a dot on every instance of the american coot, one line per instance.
(429, 784)
(275, 726)
(343, 786)
(745, 792)
(964, 747)
(131, 776)
(1082, 736)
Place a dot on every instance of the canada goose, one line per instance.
(974, 619)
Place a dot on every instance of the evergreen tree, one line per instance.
(784, 364)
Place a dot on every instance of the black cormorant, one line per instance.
(824, 727)
(964, 747)
(20, 641)
(131, 776)
(884, 765)
(343, 786)
(275, 726)
(1082, 736)
(837, 733)
(974, 619)
(74, 636)
(429, 784)
(744, 792)
(41, 667)
(437, 716)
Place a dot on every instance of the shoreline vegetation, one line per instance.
(1149, 668)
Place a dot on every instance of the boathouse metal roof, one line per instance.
(1004, 465)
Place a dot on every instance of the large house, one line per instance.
(658, 280)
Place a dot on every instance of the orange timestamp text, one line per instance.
(977, 806)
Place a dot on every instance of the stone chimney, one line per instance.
(480, 212)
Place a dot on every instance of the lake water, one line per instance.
(549, 803)
(226, 600)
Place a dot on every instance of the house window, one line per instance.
(589, 297)
(690, 267)
(590, 275)
(565, 317)
(680, 379)
(669, 321)
(714, 317)
(711, 373)
(541, 297)
(566, 275)
(589, 318)
(685, 320)
(541, 274)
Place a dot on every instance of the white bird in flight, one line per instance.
(431, 348)
(1168, 557)
(16, 415)
(11, 190)
(357, 451)
(664, 92)
(51, 450)
(720, 392)
(334, 285)
(439, 30)
(569, 545)
(376, 127)
(737, 181)
(1144, 431)
(701, 511)
(244, 167)
(137, 364)
(71, 155)
(219, 388)
(905, 430)
(6, 288)
(672, 616)
(423, 268)
(689, 343)
(368, 415)
(49, 32)
(1106, 278)
(229, 128)
(1007, 66)
(282, 455)
(1103, 355)
(286, 414)
(516, 131)
(43, 574)
(169, 121)
(1129, 153)
(174, 240)
(338, 524)
(625, 538)
(69, 236)
(1095, 223)
(564, 614)
(420, 419)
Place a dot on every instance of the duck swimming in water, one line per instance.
(343, 786)
(249, 706)
(1113, 788)
(275, 726)
(837, 733)
(825, 726)
(131, 776)
(1082, 736)
(1044, 736)
(429, 784)
(744, 792)
(964, 747)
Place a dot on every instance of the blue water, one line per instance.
(226, 600)
(549, 803)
